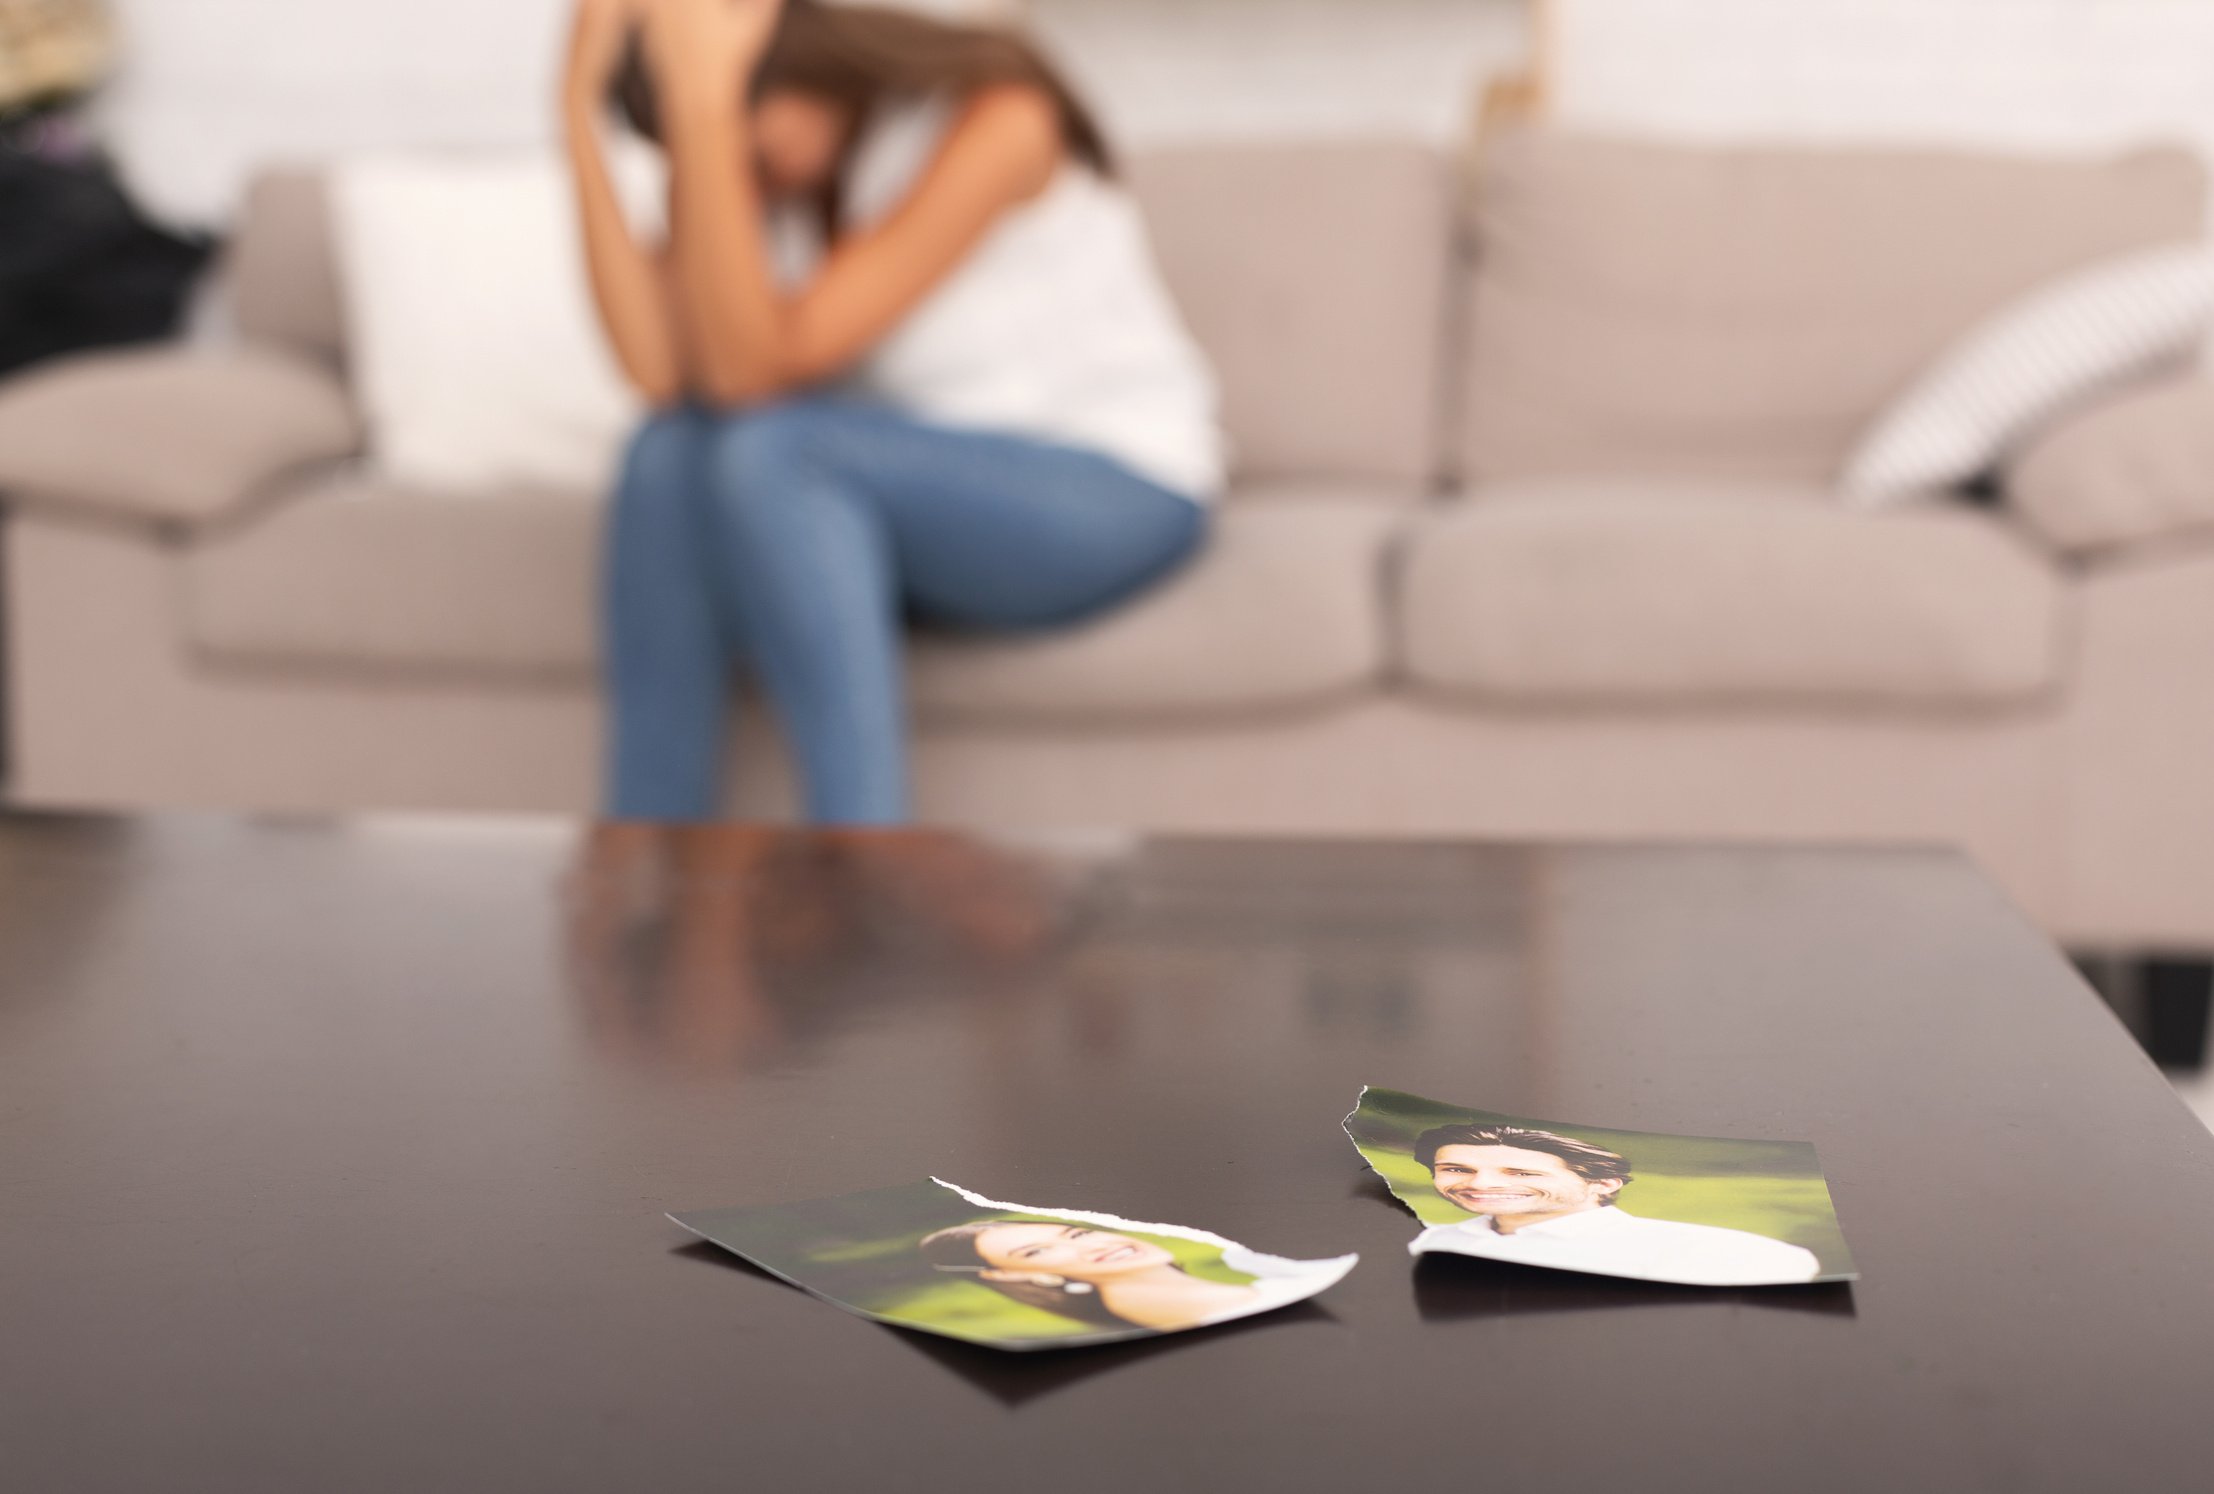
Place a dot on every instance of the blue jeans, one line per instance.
(794, 536)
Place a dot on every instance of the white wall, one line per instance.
(1214, 69)
(2024, 74)
(210, 87)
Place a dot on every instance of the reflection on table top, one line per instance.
(337, 1153)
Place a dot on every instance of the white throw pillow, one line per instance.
(2029, 361)
(475, 348)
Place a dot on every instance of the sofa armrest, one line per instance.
(168, 435)
(2126, 471)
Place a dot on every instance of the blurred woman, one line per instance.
(907, 353)
(1110, 1280)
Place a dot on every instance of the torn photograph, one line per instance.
(939, 1259)
(1701, 1210)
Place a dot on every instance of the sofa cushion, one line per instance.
(1669, 310)
(282, 265)
(1613, 593)
(358, 575)
(1281, 610)
(2131, 469)
(1314, 275)
(1284, 609)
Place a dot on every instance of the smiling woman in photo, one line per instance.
(1107, 1279)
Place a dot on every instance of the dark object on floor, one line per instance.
(2177, 996)
(80, 267)
(2165, 1003)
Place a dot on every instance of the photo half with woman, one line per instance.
(937, 1258)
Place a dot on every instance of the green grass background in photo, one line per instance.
(860, 1250)
(1772, 1188)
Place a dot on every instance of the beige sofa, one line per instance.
(1530, 541)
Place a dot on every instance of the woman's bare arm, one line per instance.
(718, 256)
(1001, 150)
(751, 340)
(629, 284)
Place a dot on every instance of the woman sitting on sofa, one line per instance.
(906, 352)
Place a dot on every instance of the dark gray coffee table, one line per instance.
(336, 1159)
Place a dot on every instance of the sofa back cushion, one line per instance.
(283, 265)
(1313, 275)
(1673, 310)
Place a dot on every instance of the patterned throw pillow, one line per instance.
(2033, 359)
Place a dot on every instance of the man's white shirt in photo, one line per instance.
(1609, 1242)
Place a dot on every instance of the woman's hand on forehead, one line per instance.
(711, 43)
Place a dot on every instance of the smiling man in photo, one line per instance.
(1544, 1199)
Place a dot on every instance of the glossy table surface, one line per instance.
(335, 1158)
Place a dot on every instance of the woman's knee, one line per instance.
(757, 454)
(661, 463)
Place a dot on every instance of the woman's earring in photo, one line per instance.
(1061, 1283)
(1046, 1279)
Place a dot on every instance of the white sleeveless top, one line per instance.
(1056, 325)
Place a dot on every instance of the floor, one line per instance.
(2198, 1092)
(2123, 984)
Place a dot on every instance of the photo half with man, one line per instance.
(1701, 1210)
(937, 1258)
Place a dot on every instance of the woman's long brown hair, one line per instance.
(857, 55)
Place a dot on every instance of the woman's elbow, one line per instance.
(816, 354)
(799, 360)
(735, 391)
(653, 376)
(659, 392)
